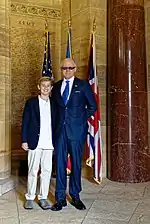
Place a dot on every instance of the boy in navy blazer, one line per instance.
(73, 103)
(36, 136)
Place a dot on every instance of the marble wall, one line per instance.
(128, 151)
(147, 23)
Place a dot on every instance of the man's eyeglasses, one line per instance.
(67, 68)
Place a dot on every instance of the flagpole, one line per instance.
(46, 32)
(70, 16)
(69, 41)
(94, 48)
(46, 25)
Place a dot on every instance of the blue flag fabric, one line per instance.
(69, 50)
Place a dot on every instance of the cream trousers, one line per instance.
(39, 158)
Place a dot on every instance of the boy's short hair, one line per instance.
(44, 78)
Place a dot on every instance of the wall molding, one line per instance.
(35, 11)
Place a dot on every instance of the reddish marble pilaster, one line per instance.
(127, 107)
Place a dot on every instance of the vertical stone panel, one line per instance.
(5, 90)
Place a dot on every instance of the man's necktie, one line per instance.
(66, 93)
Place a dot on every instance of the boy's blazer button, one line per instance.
(38, 134)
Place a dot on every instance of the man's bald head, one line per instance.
(68, 60)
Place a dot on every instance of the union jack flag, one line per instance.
(47, 64)
(94, 139)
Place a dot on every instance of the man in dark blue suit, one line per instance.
(73, 103)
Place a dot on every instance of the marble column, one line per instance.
(6, 183)
(127, 107)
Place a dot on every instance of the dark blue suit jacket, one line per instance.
(31, 123)
(80, 106)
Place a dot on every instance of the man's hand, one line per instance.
(25, 146)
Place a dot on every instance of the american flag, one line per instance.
(47, 64)
(94, 139)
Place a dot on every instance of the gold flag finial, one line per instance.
(94, 25)
(69, 23)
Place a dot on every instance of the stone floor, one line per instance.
(108, 203)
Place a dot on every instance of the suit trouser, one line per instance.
(39, 158)
(64, 146)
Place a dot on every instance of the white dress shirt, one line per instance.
(45, 137)
(64, 85)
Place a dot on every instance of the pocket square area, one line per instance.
(77, 91)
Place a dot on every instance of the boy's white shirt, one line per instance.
(45, 137)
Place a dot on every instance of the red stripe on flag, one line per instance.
(68, 165)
